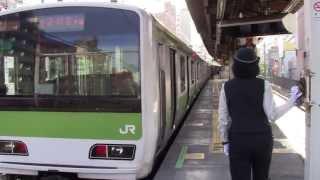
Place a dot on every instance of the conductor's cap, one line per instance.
(246, 55)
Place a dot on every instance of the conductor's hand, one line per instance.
(295, 93)
(226, 149)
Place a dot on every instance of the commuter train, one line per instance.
(94, 90)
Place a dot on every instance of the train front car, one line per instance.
(70, 92)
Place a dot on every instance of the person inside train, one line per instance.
(3, 89)
(246, 109)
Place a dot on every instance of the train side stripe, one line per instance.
(75, 125)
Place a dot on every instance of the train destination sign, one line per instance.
(62, 23)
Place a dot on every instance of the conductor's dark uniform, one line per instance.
(250, 135)
(245, 108)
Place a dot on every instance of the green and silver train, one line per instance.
(91, 89)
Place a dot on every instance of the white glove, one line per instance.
(295, 93)
(226, 149)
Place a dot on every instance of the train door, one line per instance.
(173, 86)
(192, 79)
(197, 77)
(162, 91)
(188, 81)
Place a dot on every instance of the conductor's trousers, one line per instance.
(250, 155)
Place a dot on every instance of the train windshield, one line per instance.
(70, 59)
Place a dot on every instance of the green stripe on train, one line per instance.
(76, 125)
(182, 102)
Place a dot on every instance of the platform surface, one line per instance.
(197, 155)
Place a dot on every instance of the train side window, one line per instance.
(182, 73)
(193, 75)
(198, 70)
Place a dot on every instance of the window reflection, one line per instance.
(89, 74)
(182, 73)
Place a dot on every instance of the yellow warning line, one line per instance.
(216, 141)
(195, 156)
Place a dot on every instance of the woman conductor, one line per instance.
(246, 108)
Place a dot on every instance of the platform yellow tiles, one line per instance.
(216, 146)
(195, 124)
(195, 156)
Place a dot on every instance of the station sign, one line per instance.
(194, 56)
(316, 9)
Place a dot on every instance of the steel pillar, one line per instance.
(312, 27)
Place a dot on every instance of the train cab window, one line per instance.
(182, 73)
(63, 59)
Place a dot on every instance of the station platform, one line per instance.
(196, 153)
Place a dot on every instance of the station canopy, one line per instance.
(221, 22)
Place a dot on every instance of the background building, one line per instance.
(9, 4)
(184, 25)
(168, 16)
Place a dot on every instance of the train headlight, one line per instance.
(112, 151)
(11, 147)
